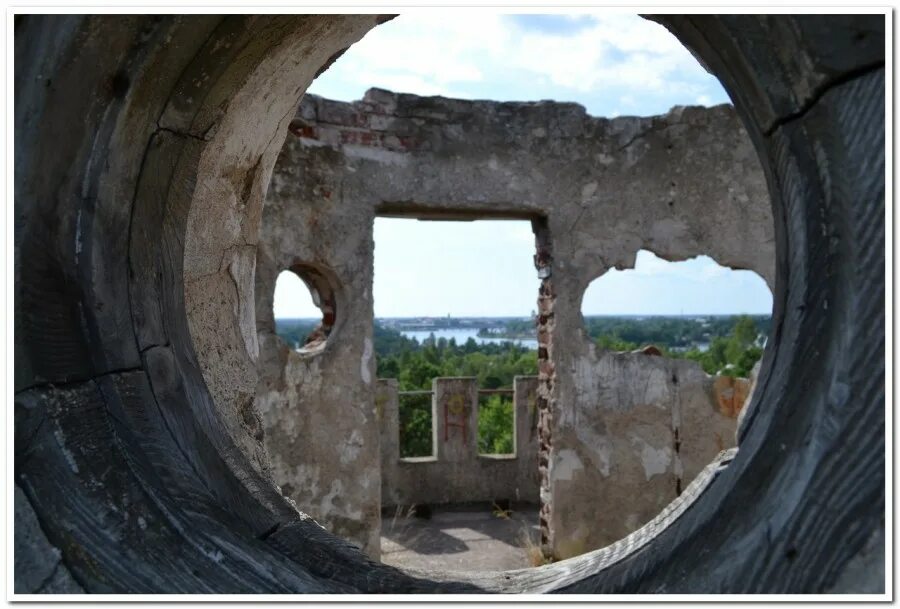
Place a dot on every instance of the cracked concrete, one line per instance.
(597, 190)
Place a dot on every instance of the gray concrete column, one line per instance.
(387, 409)
(526, 440)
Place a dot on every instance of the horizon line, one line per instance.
(529, 316)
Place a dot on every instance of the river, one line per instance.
(464, 334)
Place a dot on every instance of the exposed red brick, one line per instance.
(301, 129)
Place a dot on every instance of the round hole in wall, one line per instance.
(326, 195)
(304, 308)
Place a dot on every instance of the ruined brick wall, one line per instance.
(597, 191)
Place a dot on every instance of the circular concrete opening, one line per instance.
(303, 293)
(133, 452)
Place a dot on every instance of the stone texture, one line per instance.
(641, 431)
(476, 539)
(865, 572)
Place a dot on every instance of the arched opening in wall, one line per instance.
(693, 309)
(673, 350)
(304, 308)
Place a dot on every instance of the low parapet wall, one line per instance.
(456, 472)
(655, 423)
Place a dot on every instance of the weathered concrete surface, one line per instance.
(864, 573)
(235, 150)
(457, 473)
(638, 433)
(114, 419)
(597, 191)
(37, 565)
(476, 539)
(656, 424)
(318, 407)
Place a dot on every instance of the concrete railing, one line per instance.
(456, 472)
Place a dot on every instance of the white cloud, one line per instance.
(450, 53)
(711, 270)
(697, 285)
(434, 48)
(617, 50)
(698, 269)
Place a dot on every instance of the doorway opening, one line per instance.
(455, 299)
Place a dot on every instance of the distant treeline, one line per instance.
(733, 344)
(733, 349)
(672, 333)
(294, 331)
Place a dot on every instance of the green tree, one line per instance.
(611, 342)
(744, 331)
(734, 355)
(495, 425)
(732, 350)
(418, 374)
(415, 426)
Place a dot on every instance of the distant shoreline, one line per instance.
(507, 335)
(504, 318)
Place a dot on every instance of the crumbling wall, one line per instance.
(637, 433)
(596, 190)
(318, 407)
(668, 420)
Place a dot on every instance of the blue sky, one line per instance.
(613, 64)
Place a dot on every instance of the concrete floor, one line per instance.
(461, 539)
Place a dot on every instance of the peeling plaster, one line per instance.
(566, 464)
(656, 461)
(366, 362)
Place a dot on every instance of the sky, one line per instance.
(614, 64)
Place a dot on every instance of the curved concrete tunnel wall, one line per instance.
(681, 184)
(142, 477)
